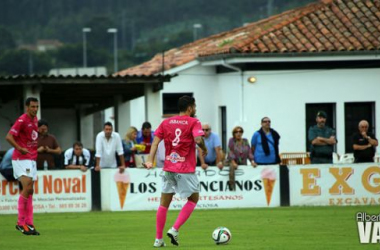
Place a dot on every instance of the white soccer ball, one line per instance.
(221, 235)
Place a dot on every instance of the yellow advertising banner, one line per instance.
(335, 185)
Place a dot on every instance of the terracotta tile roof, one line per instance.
(325, 26)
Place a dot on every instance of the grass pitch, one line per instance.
(277, 228)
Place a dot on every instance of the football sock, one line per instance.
(29, 211)
(184, 214)
(21, 207)
(160, 221)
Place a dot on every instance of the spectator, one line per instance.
(108, 145)
(6, 168)
(48, 147)
(322, 139)
(364, 144)
(145, 137)
(264, 144)
(77, 157)
(129, 147)
(213, 144)
(239, 153)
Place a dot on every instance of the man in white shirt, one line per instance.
(108, 144)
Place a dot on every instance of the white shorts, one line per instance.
(183, 184)
(26, 168)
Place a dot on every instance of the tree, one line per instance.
(6, 41)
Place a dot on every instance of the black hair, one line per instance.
(184, 102)
(107, 124)
(29, 100)
(146, 125)
(78, 143)
(42, 122)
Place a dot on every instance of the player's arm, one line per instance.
(152, 153)
(12, 141)
(201, 144)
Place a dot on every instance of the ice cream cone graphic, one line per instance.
(268, 176)
(122, 183)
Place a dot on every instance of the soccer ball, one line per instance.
(221, 235)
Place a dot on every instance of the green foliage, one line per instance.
(145, 27)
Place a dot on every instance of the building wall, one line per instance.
(62, 125)
(280, 95)
(9, 112)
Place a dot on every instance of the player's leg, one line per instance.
(188, 186)
(29, 215)
(161, 215)
(27, 185)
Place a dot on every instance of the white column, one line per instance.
(33, 91)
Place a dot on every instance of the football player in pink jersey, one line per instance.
(180, 133)
(23, 136)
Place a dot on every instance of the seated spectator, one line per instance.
(213, 146)
(364, 144)
(145, 137)
(264, 144)
(239, 153)
(77, 157)
(129, 147)
(6, 168)
(48, 147)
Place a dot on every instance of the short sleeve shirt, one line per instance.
(259, 155)
(25, 133)
(72, 159)
(178, 133)
(211, 142)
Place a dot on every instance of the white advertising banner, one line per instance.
(140, 189)
(335, 185)
(54, 191)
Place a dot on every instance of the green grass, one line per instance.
(279, 228)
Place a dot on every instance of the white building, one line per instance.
(325, 56)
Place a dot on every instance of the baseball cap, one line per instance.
(322, 114)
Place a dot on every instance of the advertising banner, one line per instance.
(54, 191)
(335, 185)
(140, 189)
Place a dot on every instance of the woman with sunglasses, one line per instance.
(239, 153)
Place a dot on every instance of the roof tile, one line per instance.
(328, 25)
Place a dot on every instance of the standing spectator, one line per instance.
(213, 146)
(145, 137)
(6, 168)
(264, 144)
(239, 153)
(180, 134)
(23, 136)
(48, 147)
(129, 147)
(364, 144)
(77, 157)
(322, 139)
(108, 145)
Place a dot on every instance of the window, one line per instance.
(354, 112)
(170, 102)
(311, 112)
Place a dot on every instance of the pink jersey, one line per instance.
(25, 133)
(178, 133)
